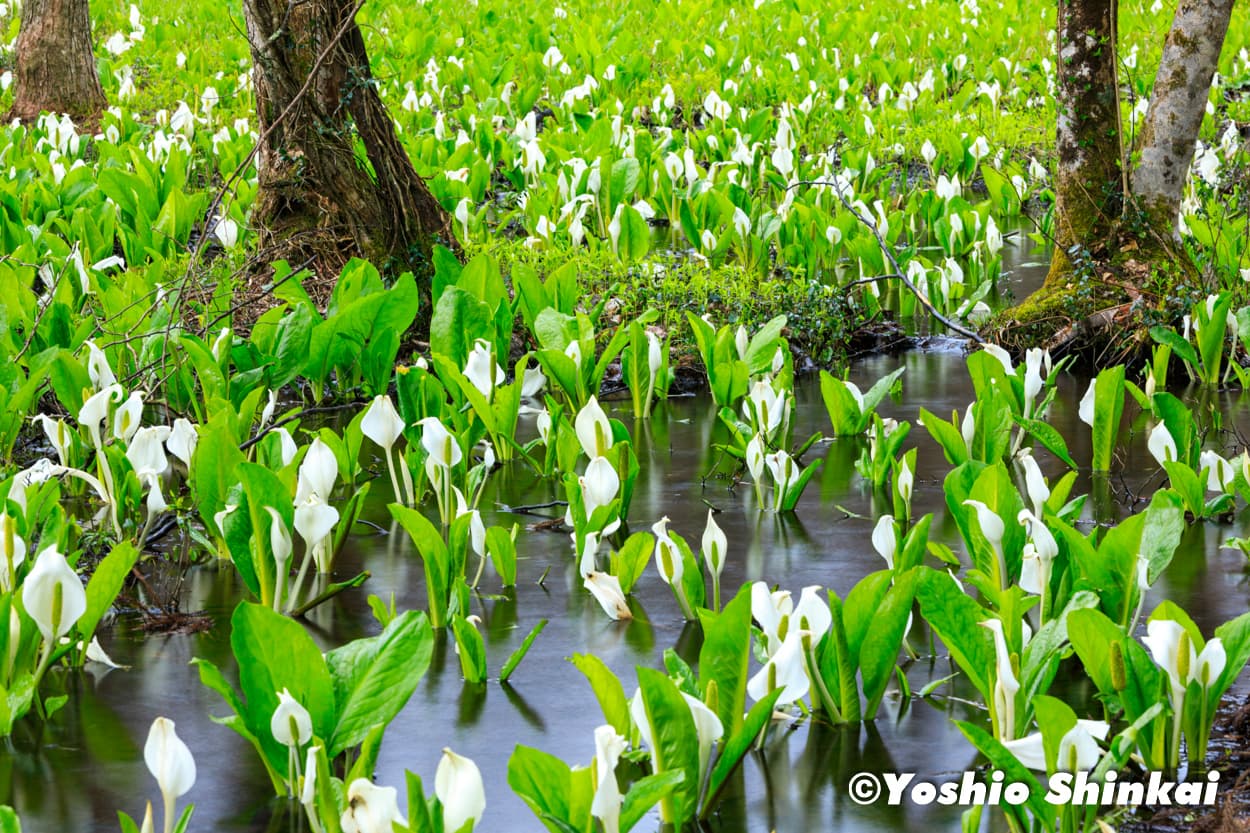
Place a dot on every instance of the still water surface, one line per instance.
(89, 762)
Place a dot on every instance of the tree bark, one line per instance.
(1089, 177)
(1178, 102)
(1077, 305)
(56, 70)
(317, 104)
(1124, 232)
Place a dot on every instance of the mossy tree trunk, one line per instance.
(1089, 178)
(1115, 229)
(334, 181)
(56, 71)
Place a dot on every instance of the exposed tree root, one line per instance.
(1099, 309)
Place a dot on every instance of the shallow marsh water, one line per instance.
(88, 764)
(90, 761)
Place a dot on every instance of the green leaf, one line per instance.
(558, 795)
(861, 606)
(434, 557)
(674, 743)
(1055, 719)
(844, 412)
(633, 241)
(1049, 437)
(290, 351)
(629, 562)
(275, 653)
(733, 750)
(1092, 634)
(625, 175)
(472, 650)
(212, 679)
(1015, 772)
(763, 345)
(263, 489)
(501, 546)
(724, 657)
(459, 320)
(644, 794)
(213, 468)
(878, 653)
(876, 393)
(106, 582)
(1108, 410)
(1187, 484)
(1162, 527)
(374, 677)
(1235, 637)
(365, 762)
(947, 436)
(555, 329)
(519, 654)
(608, 691)
(954, 616)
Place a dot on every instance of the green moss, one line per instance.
(1099, 306)
(821, 318)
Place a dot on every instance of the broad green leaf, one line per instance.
(472, 650)
(954, 616)
(724, 657)
(736, 746)
(275, 653)
(674, 744)
(633, 238)
(1049, 437)
(629, 562)
(608, 691)
(878, 653)
(558, 795)
(1000, 758)
(947, 436)
(1108, 410)
(374, 677)
(459, 320)
(434, 558)
(105, 583)
(644, 794)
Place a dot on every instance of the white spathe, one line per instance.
(291, 724)
(458, 785)
(49, 578)
(371, 809)
(382, 423)
(593, 429)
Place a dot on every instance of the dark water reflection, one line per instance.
(88, 762)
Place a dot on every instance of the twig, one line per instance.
(888, 251)
(34, 327)
(529, 508)
(295, 417)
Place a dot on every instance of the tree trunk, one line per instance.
(1177, 105)
(1093, 305)
(1089, 178)
(56, 70)
(318, 196)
